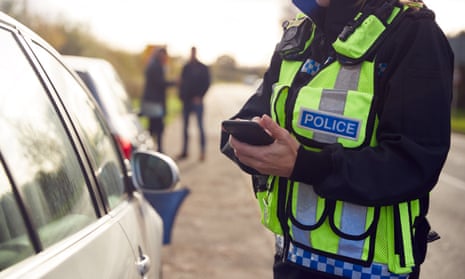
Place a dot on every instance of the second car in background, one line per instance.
(107, 88)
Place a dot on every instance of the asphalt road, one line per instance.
(446, 257)
(217, 233)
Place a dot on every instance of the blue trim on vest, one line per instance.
(332, 266)
(311, 67)
(329, 123)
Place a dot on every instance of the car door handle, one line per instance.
(143, 263)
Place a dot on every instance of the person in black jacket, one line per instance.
(410, 138)
(194, 84)
(154, 96)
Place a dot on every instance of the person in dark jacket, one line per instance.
(359, 107)
(194, 84)
(154, 96)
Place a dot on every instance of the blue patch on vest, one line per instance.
(329, 123)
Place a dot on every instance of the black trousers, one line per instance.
(156, 127)
(284, 270)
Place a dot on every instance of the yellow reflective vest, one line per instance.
(336, 107)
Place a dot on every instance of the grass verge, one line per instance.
(458, 122)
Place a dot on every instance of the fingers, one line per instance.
(240, 147)
(275, 130)
(277, 158)
(279, 133)
(243, 149)
(249, 155)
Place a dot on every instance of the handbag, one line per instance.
(152, 109)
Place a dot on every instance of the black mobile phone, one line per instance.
(247, 131)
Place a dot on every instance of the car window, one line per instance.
(90, 84)
(98, 140)
(15, 244)
(38, 154)
(116, 90)
(107, 88)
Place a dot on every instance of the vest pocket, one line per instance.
(340, 229)
(354, 222)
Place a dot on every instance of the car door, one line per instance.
(50, 180)
(140, 223)
(144, 229)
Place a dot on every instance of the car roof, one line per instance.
(84, 62)
(21, 28)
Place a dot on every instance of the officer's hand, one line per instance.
(277, 158)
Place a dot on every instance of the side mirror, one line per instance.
(153, 171)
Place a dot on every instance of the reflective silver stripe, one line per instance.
(334, 100)
(348, 77)
(331, 101)
(353, 217)
(306, 212)
(353, 222)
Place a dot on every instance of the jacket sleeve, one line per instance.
(413, 106)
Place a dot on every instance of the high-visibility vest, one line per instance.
(336, 106)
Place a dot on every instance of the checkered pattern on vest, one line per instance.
(338, 267)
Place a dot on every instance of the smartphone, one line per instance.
(247, 131)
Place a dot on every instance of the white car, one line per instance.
(106, 86)
(69, 201)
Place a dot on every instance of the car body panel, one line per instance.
(141, 233)
(92, 253)
(109, 246)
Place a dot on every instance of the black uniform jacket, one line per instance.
(195, 81)
(155, 82)
(413, 92)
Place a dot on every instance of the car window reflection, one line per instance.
(98, 140)
(39, 153)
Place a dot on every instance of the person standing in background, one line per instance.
(194, 84)
(154, 95)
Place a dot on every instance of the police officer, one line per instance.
(357, 97)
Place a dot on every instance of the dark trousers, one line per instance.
(156, 127)
(197, 109)
(284, 270)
